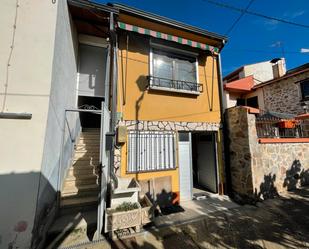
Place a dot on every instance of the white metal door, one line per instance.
(185, 170)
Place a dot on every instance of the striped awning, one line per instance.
(167, 37)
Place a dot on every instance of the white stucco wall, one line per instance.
(229, 99)
(263, 71)
(29, 84)
(62, 96)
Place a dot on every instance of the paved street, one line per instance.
(276, 223)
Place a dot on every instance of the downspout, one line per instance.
(223, 139)
(112, 179)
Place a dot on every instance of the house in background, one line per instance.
(267, 126)
(239, 83)
(269, 87)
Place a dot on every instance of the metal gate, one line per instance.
(104, 163)
(104, 155)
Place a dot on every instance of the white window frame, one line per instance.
(177, 51)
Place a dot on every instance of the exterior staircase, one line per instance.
(79, 196)
(81, 188)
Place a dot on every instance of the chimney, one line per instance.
(278, 65)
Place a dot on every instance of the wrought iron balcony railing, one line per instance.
(174, 85)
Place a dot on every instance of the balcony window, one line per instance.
(174, 70)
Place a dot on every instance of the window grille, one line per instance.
(151, 151)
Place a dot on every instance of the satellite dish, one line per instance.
(304, 50)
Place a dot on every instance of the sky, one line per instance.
(253, 39)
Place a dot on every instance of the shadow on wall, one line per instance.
(18, 195)
(295, 177)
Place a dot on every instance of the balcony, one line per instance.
(156, 83)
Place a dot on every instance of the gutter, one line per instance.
(91, 5)
(113, 104)
(225, 160)
(170, 22)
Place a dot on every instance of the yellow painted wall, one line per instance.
(138, 103)
(135, 102)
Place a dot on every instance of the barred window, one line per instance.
(151, 151)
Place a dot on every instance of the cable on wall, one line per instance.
(6, 84)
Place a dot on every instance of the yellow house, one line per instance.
(168, 105)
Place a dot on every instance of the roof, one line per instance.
(277, 115)
(292, 72)
(170, 22)
(241, 85)
(302, 116)
(91, 5)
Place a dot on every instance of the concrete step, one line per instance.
(72, 181)
(91, 130)
(73, 228)
(90, 136)
(87, 151)
(85, 162)
(80, 190)
(86, 156)
(77, 201)
(77, 171)
(80, 177)
(80, 194)
(81, 208)
(88, 147)
(77, 218)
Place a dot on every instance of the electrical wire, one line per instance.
(238, 19)
(6, 84)
(227, 6)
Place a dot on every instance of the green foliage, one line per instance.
(126, 206)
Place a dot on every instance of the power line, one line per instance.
(227, 6)
(261, 51)
(238, 19)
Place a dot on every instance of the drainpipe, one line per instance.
(220, 81)
(112, 179)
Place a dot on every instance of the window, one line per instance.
(173, 70)
(253, 102)
(304, 86)
(151, 151)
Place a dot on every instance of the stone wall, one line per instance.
(161, 126)
(169, 125)
(261, 170)
(284, 96)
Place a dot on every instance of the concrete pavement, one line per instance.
(275, 223)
